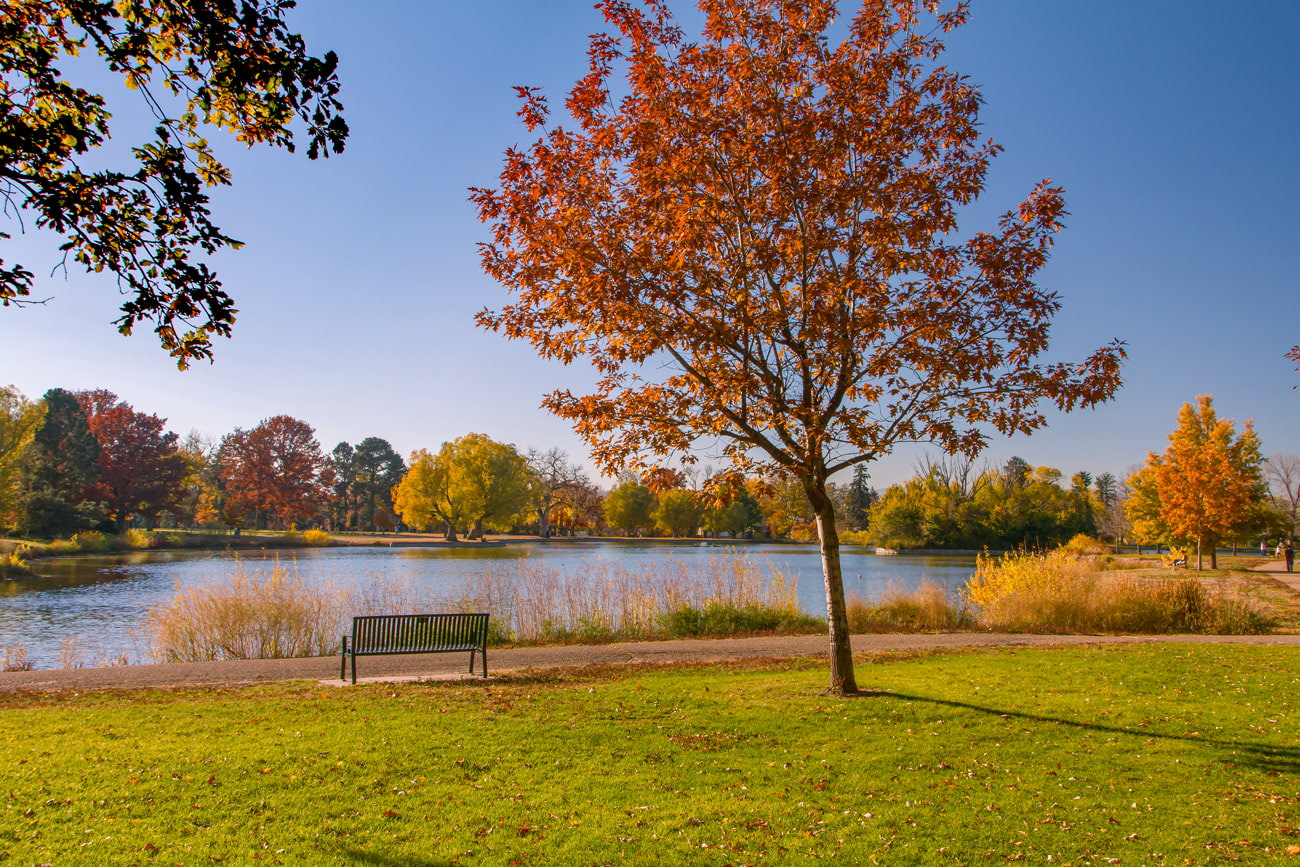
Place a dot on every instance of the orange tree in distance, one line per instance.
(1207, 482)
(750, 237)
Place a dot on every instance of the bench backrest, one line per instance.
(418, 632)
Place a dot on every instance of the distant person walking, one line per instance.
(1289, 553)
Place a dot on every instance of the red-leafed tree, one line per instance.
(141, 472)
(753, 237)
(276, 472)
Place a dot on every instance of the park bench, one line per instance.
(386, 634)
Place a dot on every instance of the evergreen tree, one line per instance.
(377, 469)
(860, 498)
(63, 470)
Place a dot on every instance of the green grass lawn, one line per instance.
(1137, 755)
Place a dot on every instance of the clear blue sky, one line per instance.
(1172, 124)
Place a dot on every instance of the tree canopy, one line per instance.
(1207, 483)
(63, 469)
(276, 471)
(752, 236)
(19, 419)
(474, 483)
(230, 64)
(140, 468)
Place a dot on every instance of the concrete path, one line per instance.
(1277, 569)
(452, 666)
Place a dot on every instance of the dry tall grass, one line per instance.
(1059, 592)
(927, 608)
(266, 614)
(251, 615)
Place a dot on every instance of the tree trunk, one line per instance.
(1214, 553)
(1199, 564)
(843, 680)
(449, 534)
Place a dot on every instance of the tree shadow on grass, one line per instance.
(1270, 758)
(380, 859)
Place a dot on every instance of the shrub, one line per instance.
(858, 538)
(15, 659)
(316, 538)
(14, 562)
(140, 539)
(1083, 545)
(90, 541)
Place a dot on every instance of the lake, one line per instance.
(98, 604)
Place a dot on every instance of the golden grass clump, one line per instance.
(316, 538)
(253, 615)
(927, 608)
(1059, 592)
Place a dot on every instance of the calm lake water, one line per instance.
(100, 603)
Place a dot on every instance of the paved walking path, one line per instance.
(454, 665)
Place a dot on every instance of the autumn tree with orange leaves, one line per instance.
(1207, 484)
(141, 471)
(276, 471)
(751, 236)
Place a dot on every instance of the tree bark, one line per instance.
(449, 534)
(843, 680)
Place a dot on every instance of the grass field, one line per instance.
(1162, 754)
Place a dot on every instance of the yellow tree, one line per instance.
(752, 236)
(473, 482)
(1208, 481)
(19, 419)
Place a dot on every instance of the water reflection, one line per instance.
(99, 603)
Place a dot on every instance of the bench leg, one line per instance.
(343, 659)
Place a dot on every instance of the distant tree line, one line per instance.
(75, 461)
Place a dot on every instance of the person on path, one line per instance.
(1289, 553)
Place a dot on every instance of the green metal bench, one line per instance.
(388, 634)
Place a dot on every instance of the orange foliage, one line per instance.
(1208, 478)
(276, 470)
(755, 247)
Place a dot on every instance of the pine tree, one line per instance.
(63, 470)
(861, 497)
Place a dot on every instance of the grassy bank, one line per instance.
(1135, 755)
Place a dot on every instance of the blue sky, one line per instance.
(1172, 125)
